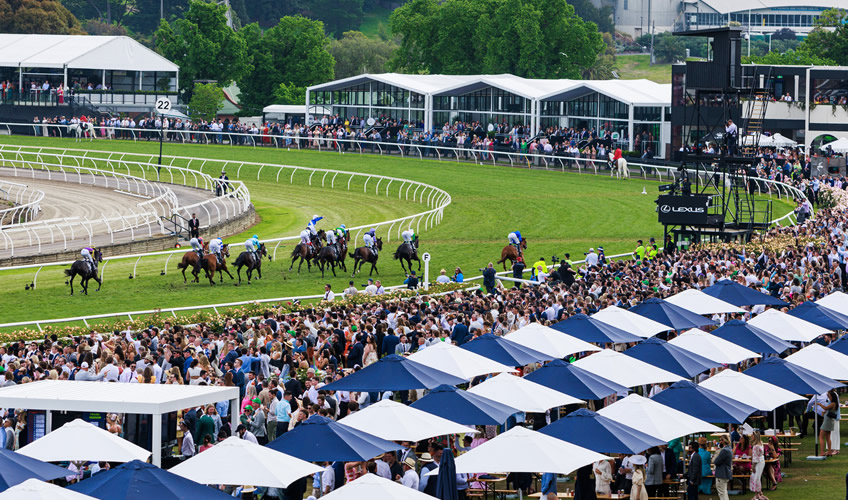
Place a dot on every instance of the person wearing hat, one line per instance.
(410, 477)
(723, 467)
(371, 288)
(639, 491)
(706, 483)
(247, 492)
(591, 258)
(430, 461)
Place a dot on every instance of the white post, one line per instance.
(156, 440)
(235, 415)
(140, 78)
(48, 421)
(630, 127)
(426, 259)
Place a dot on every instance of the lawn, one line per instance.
(637, 66)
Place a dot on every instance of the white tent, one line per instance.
(397, 422)
(371, 486)
(762, 140)
(523, 450)
(836, 301)
(33, 489)
(749, 390)
(840, 145)
(521, 393)
(655, 419)
(711, 347)
(80, 441)
(235, 461)
(700, 303)
(549, 341)
(446, 357)
(624, 370)
(630, 322)
(786, 327)
(822, 360)
(780, 140)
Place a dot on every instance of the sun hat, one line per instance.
(638, 460)
(409, 462)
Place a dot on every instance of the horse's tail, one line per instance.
(69, 272)
(353, 255)
(295, 252)
(395, 255)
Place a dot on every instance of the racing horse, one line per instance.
(331, 256)
(619, 167)
(509, 253)
(247, 259)
(211, 266)
(84, 270)
(364, 254)
(407, 253)
(81, 129)
(307, 252)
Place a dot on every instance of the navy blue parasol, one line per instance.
(750, 337)
(319, 439)
(504, 351)
(591, 330)
(464, 407)
(670, 357)
(667, 313)
(574, 381)
(821, 316)
(393, 373)
(703, 403)
(740, 295)
(598, 433)
(137, 480)
(446, 480)
(791, 377)
(16, 468)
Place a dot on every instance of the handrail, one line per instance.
(16, 193)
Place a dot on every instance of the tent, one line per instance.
(504, 351)
(839, 145)
(598, 433)
(712, 347)
(659, 353)
(655, 419)
(521, 393)
(81, 441)
(397, 422)
(826, 362)
(448, 358)
(235, 461)
(574, 381)
(592, 330)
(786, 327)
(394, 373)
(820, 316)
(34, 489)
(16, 468)
(750, 337)
(464, 407)
(139, 480)
(740, 295)
(759, 139)
(780, 140)
(791, 376)
(700, 303)
(631, 322)
(836, 301)
(372, 486)
(667, 313)
(624, 370)
(319, 439)
(549, 341)
(749, 390)
(703, 403)
(840, 345)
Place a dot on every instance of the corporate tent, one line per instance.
(839, 145)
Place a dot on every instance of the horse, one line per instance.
(619, 168)
(509, 253)
(364, 254)
(189, 260)
(210, 265)
(82, 128)
(407, 253)
(248, 259)
(85, 272)
(306, 252)
(331, 256)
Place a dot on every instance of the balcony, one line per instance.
(37, 97)
(778, 110)
(829, 114)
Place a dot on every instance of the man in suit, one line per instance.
(194, 227)
(723, 462)
(693, 476)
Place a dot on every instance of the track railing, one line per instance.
(25, 203)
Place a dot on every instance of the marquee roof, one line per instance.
(726, 6)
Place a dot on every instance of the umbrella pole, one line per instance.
(816, 427)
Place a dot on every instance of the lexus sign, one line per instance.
(683, 210)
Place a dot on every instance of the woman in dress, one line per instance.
(831, 415)
(603, 477)
(742, 450)
(639, 491)
(758, 462)
(369, 354)
(773, 451)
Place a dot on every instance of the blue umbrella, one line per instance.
(446, 480)
(504, 351)
(393, 373)
(669, 314)
(591, 330)
(464, 407)
(791, 377)
(704, 403)
(840, 345)
(139, 480)
(574, 381)
(821, 316)
(740, 295)
(670, 357)
(750, 337)
(319, 439)
(598, 433)
(16, 468)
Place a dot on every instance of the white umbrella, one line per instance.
(836, 301)
(397, 422)
(711, 347)
(839, 145)
(655, 419)
(749, 390)
(549, 341)
(462, 363)
(371, 486)
(700, 303)
(786, 327)
(521, 393)
(822, 360)
(235, 461)
(523, 450)
(624, 370)
(783, 141)
(80, 441)
(630, 322)
(33, 489)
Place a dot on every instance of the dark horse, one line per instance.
(364, 254)
(331, 255)
(408, 252)
(211, 266)
(306, 252)
(509, 253)
(248, 259)
(85, 272)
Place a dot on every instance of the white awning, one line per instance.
(836, 301)
(700, 303)
(787, 327)
(372, 486)
(711, 347)
(521, 393)
(749, 390)
(624, 370)
(448, 358)
(33, 489)
(549, 341)
(630, 322)
(822, 360)
(655, 419)
(397, 422)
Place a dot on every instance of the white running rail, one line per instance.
(24, 200)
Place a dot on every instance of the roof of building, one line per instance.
(80, 52)
(726, 6)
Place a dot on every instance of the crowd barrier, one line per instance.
(24, 203)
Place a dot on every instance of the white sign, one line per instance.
(426, 257)
(163, 105)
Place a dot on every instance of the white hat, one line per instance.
(84, 364)
(591, 249)
(638, 460)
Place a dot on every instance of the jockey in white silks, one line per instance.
(370, 239)
(215, 247)
(86, 256)
(197, 246)
(408, 237)
(515, 240)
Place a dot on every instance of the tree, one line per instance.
(206, 100)
(603, 69)
(668, 48)
(338, 16)
(829, 39)
(289, 94)
(38, 16)
(800, 57)
(356, 53)
(784, 34)
(588, 12)
(203, 46)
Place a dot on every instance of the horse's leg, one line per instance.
(73, 275)
(99, 282)
(259, 272)
(292, 264)
(238, 272)
(300, 264)
(332, 267)
(185, 280)
(419, 262)
(402, 266)
(84, 283)
(321, 267)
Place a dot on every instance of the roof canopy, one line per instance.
(80, 52)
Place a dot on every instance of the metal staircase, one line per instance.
(759, 98)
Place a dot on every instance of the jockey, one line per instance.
(304, 237)
(615, 157)
(257, 246)
(409, 237)
(215, 247)
(370, 240)
(331, 237)
(341, 231)
(86, 256)
(311, 225)
(250, 246)
(515, 240)
(197, 246)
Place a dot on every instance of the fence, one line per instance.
(24, 203)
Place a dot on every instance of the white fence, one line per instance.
(24, 203)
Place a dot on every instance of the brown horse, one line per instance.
(210, 265)
(364, 254)
(307, 252)
(190, 260)
(509, 253)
